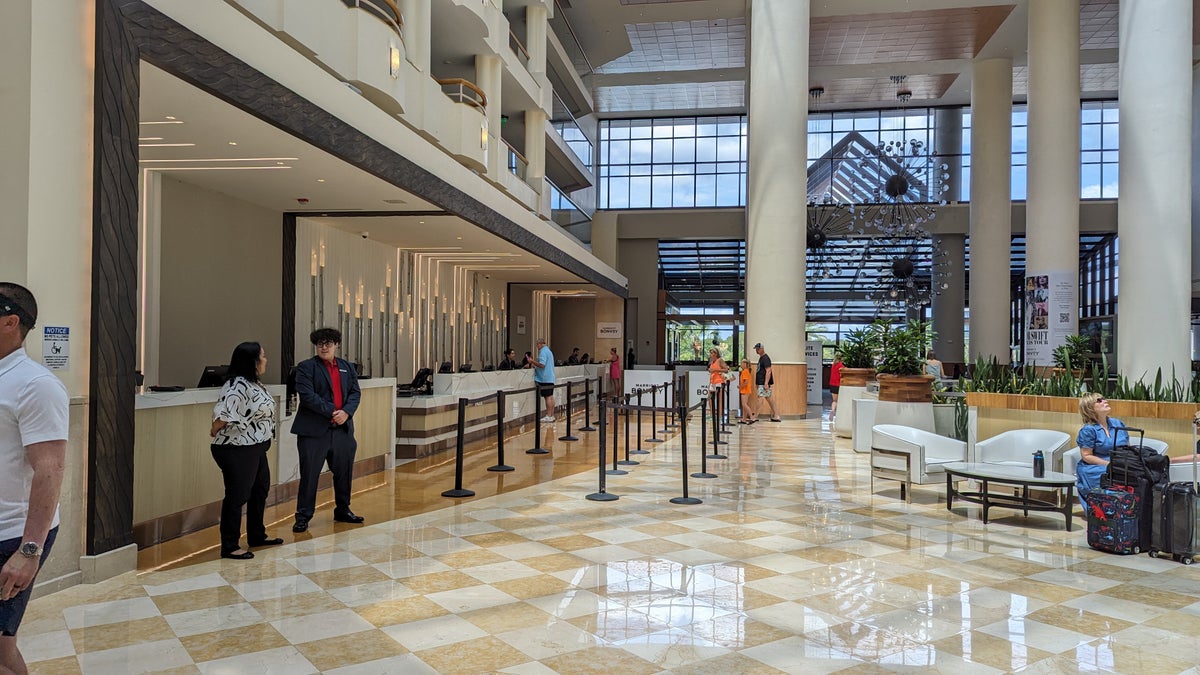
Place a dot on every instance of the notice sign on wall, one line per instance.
(56, 347)
(609, 329)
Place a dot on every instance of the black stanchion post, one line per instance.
(587, 402)
(666, 387)
(704, 457)
(725, 424)
(537, 448)
(685, 499)
(615, 470)
(500, 465)
(601, 495)
(458, 490)
(716, 433)
(639, 450)
(673, 424)
(715, 396)
(568, 436)
(626, 461)
(653, 416)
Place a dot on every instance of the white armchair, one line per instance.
(1016, 447)
(911, 456)
(1071, 457)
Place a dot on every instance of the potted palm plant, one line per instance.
(1072, 354)
(901, 367)
(858, 348)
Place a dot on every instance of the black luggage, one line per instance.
(1178, 510)
(1137, 468)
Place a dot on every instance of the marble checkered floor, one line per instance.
(790, 565)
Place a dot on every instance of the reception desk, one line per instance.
(177, 485)
(427, 425)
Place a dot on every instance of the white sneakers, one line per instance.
(548, 419)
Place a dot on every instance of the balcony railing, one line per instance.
(564, 211)
(386, 11)
(568, 127)
(463, 91)
(562, 28)
(517, 164)
(514, 43)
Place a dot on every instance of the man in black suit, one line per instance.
(324, 426)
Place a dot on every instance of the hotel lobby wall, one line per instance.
(520, 319)
(573, 324)
(219, 282)
(424, 307)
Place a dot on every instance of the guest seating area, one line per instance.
(911, 456)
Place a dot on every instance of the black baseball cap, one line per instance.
(9, 307)
(758, 345)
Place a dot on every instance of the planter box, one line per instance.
(905, 388)
(857, 377)
(1066, 404)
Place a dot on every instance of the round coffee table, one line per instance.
(1014, 475)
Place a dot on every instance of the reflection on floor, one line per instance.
(791, 564)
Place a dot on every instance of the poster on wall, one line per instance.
(812, 359)
(520, 324)
(1048, 316)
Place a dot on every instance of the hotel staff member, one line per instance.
(324, 426)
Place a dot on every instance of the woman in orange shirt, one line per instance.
(745, 386)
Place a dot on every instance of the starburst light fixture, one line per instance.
(909, 272)
(828, 219)
(913, 186)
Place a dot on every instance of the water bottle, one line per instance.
(1039, 465)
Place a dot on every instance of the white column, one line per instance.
(536, 24)
(947, 148)
(417, 29)
(991, 207)
(535, 145)
(488, 77)
(1154, 219)
(778, 136)
(949, 304)
(1052, 206)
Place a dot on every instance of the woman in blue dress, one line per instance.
(1096, 440)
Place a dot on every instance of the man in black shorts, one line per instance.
(765, 379)
(543, 377)
(33, 446)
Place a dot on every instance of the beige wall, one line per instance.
(639, 263)
(572, 324)
(520, 300)
(220, 284)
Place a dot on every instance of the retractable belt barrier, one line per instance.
(500, 397)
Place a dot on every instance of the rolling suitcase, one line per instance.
(1138, 469)
(1112, 521)
(1178, 517)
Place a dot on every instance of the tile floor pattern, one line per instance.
(790, 565)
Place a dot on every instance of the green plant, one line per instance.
(858, 348)
(900, 349)
(1072, 353)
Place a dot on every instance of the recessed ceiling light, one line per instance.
(233, 142)
(280, 163)
(458, 238)
(420, 222)
(320, 180)
(151, 138)
(166, 145)
(169, 117)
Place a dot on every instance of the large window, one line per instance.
(1098, 145)
(676, 162)
(682, 162)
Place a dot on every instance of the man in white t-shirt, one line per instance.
(33, 448)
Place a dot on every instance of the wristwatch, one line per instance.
(31, 549)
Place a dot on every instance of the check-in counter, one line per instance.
(177, 485)
(426, 425)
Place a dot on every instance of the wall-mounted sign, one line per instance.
(56, 347)
(610, 329)
(520, 324)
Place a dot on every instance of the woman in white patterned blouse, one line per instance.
(242, 429)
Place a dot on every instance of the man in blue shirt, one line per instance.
(543, 377)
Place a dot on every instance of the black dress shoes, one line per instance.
(244, 555)
(267, 542)
(346, 517)
(301, 525)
